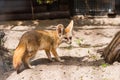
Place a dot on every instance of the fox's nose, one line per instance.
(70, 42)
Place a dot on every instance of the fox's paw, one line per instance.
(61, 60)
(51, 60)
(31, 67)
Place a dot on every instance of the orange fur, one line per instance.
(18, 54)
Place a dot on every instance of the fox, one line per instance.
(47, 40)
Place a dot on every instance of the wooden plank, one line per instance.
(28, 16)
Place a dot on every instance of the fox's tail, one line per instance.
(18, 55)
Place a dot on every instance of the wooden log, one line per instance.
(112, 52)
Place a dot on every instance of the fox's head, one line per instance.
(65, 34)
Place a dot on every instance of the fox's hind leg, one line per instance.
(26, 59)
(49, 55)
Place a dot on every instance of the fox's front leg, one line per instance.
(49, 55)
(56, 55)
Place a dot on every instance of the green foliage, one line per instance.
(92, 56)
(69, 47)
(39, 1)
(104, 65)
(12, 51)
(79, 41)
(45, 1)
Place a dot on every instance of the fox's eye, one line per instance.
(70, 38)
(65, 38)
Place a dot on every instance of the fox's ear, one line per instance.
(60, 29)
(69, 27)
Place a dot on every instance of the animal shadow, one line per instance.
(78, 61)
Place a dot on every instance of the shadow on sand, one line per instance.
(77, 61)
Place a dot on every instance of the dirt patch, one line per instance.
(82, 62)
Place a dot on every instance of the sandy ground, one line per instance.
(82, 62)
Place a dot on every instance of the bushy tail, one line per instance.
(18, 55)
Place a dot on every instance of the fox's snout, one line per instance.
(67, 40)
(70, 42)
